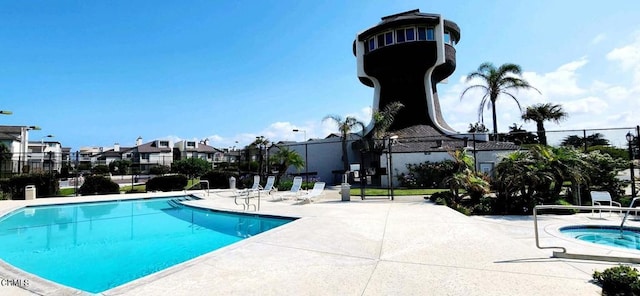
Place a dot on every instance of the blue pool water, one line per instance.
(98, 246)
(605, 235)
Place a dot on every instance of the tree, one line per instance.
(520, 136)
(159, 170)
(5, 156)
(465, 178)
(100, 169)
(191, 167)
(596, 139)
(283, 159)
(346, 126)
(540, 113)
(524, 179)
(477, 127)
(260, 143)
(119, 167)
(496, 82)
(382, 120)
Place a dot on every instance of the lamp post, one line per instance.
(42, 150)
(631, 166)
(306, 160)
(24, 139)
(390, 173)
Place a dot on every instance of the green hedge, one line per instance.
(167, 183)
(98, 185)
(219, 179)
(46, 185)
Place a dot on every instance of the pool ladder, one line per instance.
(633, 201)
(243, 198)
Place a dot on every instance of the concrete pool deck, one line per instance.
(373, 247)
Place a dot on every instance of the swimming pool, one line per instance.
(605, 235)
(98, 246)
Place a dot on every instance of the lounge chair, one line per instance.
(271, 180)
(318, 189)
(293, 192)
(600, 197)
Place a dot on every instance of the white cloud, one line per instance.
(592, 105)
(628, 58)
(560, 83)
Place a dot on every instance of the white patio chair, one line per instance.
(293, 192)
(318, 189)
(600, 197)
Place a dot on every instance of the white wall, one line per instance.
(324, 157)
(400, 161)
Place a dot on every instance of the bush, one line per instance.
(98, 185)
(159, 170)
(100, 169)
(46, 185)
(167, 183)
(442, 198)
(219, 179)
(619, 280)
(427, 174)
(192, 167)
(285, 184)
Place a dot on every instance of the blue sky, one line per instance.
(95, 73)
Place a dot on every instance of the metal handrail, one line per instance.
(246, 195)
(559, 207)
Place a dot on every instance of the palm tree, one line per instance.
(345, 126)
(382, 120)
(260, 143)
(477, 128)
(541, 113)
(596, 139)
(283, 159)
(496, 82)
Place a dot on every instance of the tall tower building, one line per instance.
(403, 58)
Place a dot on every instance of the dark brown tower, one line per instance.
(403, 58)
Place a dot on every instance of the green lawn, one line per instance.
(396, 192)
(136, 188)
(67, 191)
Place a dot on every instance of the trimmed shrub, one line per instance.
(159, 170)
(619, 280)
(94, 185)
(167, 183)
(427, 174)
(219, 179)
(100, 169)
(442, 198)
(46, 185)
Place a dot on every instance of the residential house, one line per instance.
(193, 149)
(15, 138)
(44, 156)
(154, 153)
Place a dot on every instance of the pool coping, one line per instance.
(543, 275)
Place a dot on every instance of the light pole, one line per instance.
(631, 166)
(4, 112)
(306, 160)
(391, 139)
(42, 150)
(24, 142)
